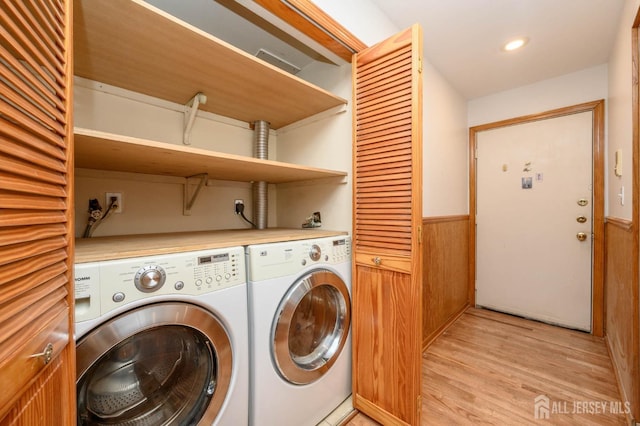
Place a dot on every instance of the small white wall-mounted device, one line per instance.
(618, 166)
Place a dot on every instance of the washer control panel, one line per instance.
(315, 253)
(103, 286)
(150, 278)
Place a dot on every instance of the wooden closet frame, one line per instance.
(312, 21)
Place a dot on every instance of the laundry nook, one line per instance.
(319, 213)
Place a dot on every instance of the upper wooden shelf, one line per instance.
(135, 46)
(107, 151)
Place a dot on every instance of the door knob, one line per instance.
(581, 236)
(581, 219)
(376, 260)
(46, 354)
(583, 202)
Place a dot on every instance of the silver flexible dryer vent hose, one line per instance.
(260, 196)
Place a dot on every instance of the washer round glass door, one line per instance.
(311, 326)
(168, 363)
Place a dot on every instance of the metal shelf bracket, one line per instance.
(190, 112)
(190, 199)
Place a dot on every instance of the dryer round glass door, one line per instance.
(311, 327)
(168, 363)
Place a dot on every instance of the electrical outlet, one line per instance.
(238, 206)
(120, 198)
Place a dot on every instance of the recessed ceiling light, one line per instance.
(515, 44)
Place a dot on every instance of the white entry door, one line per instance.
(534, 206)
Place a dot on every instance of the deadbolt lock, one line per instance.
(581, 236)
(581, 219)
(583, 202)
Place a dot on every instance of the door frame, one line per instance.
(597, 108)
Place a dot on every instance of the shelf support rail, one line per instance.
(190, 112)
(189, 200)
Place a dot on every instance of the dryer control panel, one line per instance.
(266, 261)
(103, 286)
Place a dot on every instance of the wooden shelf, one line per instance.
(132, 45)
(107, 151)
(127, 246)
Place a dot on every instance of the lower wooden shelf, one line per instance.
(127, 246)
(107, 151)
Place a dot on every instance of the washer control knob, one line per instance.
(118, 297)
(227, 275)
(150, 278)
(304, 262)
(315, 253)
(209, 280)
(179, 285)
(198, 282)
(218, 277)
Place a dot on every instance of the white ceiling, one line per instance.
(463, 38)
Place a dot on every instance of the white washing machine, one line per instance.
(299, 326)
(163, 340)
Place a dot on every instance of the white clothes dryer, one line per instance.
(299, 326)
(163, 340)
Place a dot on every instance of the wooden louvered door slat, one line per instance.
(36, 229)
(387, 282)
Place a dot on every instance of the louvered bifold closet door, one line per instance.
(387, 285)
(35, 204)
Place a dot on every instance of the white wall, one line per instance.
(570, 89)
(445, 145)
(620, 124)
(325, 143)
(153, 204)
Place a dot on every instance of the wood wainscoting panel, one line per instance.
(446, 273)
(621, 306)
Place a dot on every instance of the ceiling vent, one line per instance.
(278, 62)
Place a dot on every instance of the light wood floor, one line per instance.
(488, 368)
